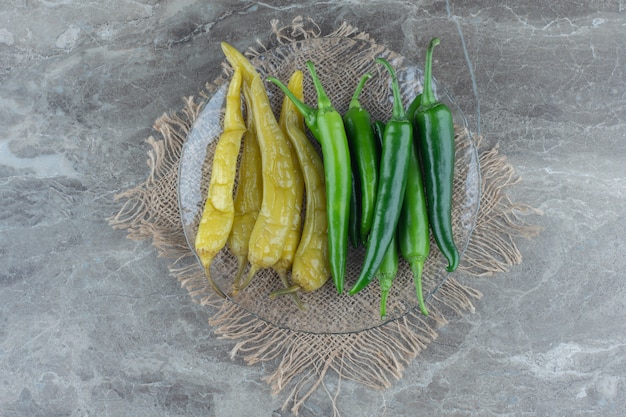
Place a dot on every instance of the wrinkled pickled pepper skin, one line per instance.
(327, 126)
(293, 237)
(279, 196)
(284, 264)
(217, 216)
(249, 194)
(310, 268)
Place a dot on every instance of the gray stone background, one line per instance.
(92, 325)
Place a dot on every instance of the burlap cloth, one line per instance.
(301, 348)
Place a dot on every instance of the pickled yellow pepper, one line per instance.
(311, 268)
(248, 195)
(217, 216)
(283, 266)
(293, 237)
(279, 196)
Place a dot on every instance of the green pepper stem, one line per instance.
(292, 291)
(248, 279)
(241, 267)
(383, 304)
(428, 95)
(282, 274)
(212, 283)
(323, 102)
(354, 103)
(284, 291)
(417, 266)
(398, 108)
(385, 280)
(308, 112)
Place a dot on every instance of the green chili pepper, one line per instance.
(394, 163)
(379, 130)
(389, 267)
(434, 134)
(410, 111)
(363, 150)
(413, 232)
(386, 274)
(355, 213)
(327, 126)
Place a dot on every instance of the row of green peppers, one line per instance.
(387, 184)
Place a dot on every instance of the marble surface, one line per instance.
(92, 325)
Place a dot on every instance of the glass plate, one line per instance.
(326, 311)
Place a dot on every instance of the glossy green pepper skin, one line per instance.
(326, 124)
(386, 274)
(364, 154)
(434, 135)
(394, 163)
(389, 267)
(354, 228)
(379, 130)
(413, 227)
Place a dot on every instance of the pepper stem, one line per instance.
(282, 274)
(212, 283)
(240, 286)
(354, 103)
(293, 291)
(383, 304)
(308, 112)
(417, 267)
(398, 108)
(428, 96)
(241, 267)
(323, 102)
(385, 281)
(284, 291)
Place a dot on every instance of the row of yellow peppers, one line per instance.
(262, 225)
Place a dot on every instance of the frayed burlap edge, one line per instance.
(301, 361)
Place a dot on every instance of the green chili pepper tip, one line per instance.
(386, 274)
(417, 268)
